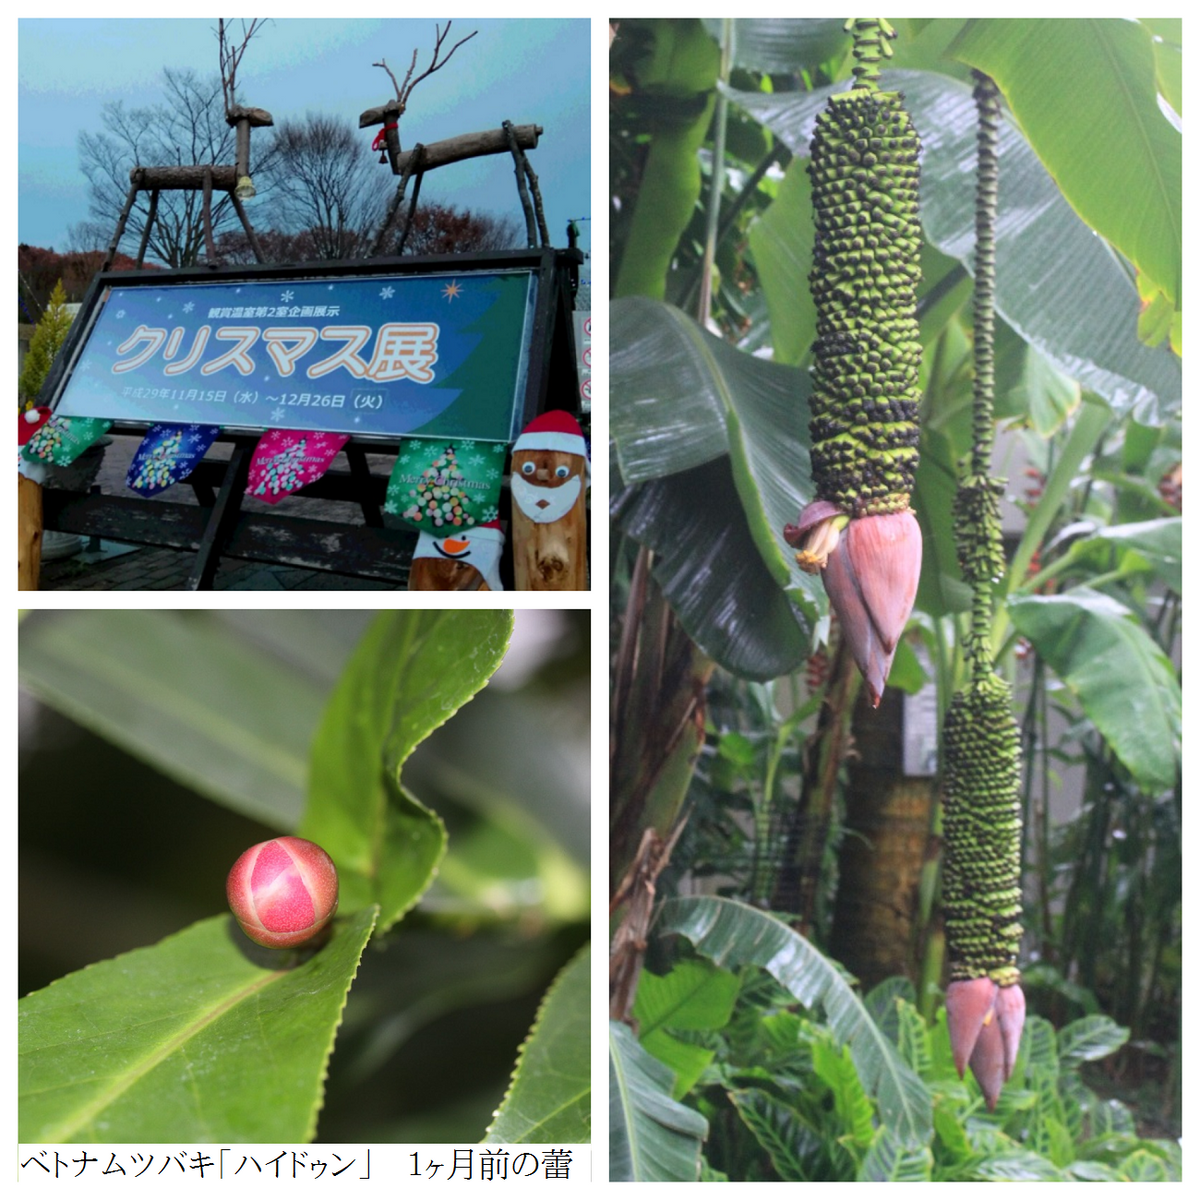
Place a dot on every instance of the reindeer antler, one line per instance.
(404, 90)
(230, 56)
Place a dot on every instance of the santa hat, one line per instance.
(480, 547)
(29, 422)
(553, 431)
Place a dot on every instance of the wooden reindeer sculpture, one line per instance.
(513, 139)
(207, 177)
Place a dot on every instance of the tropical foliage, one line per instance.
(712, 325)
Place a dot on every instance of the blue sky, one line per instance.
(531, 71)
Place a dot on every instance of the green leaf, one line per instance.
(652, 1138)
(890, 1161)
(1057, 284)
(835, 1068)
(685, 1060)
(191, 693)
(411, 673)
(1143, 1167)
(550, 1097)
(916, 1046)
(694, 995)
(941, 589)
(781, 242)
(786, 1139)
(1159, 542)
(1125, 684)
(771, 44)
(1044, 392)
(1085, 92)
(204, 1037)
(883, 1003)
(1090, 1038)
(734, 935)
(949, 1128)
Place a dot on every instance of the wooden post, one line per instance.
(548, 556)
(29, 534)
(549, 505)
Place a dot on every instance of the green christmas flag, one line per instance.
(61, 440)
(446, 485)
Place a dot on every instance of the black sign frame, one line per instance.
(216, 526)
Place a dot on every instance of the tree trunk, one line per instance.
(883, 852)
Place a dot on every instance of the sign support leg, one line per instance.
(220, 524)
(360, 472)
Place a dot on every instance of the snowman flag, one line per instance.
(479, 548)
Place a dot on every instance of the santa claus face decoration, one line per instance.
(546, 483)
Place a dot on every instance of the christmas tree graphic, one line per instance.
(47, 442)
(282, 470)
(439, 496)
(157, 468)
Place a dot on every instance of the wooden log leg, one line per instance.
(141, 254)
(130, 197)
(210, 248)
(412, 211)
(537, 203)
(250, 234)
(29, 534)
(522, 191)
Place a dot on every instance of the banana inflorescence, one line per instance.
(866, 267)
(981, 889)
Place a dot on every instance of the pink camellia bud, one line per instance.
(283, 892)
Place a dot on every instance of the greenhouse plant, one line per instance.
(895, 749)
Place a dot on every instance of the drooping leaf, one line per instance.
(1085, 94)
(550, 1097)
(191, 693)
(1057, 284)
(681, 397)
(652, 1138)
(735, 935)
(203, 1037)
(1125, 684)
(711, 572)
(411, 673)
(1159, 544)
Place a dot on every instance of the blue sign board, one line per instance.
(437, 355)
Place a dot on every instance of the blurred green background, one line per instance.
(156, 746)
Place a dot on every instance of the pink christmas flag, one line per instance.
(288, 459)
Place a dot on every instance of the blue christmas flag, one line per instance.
(167, 455)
